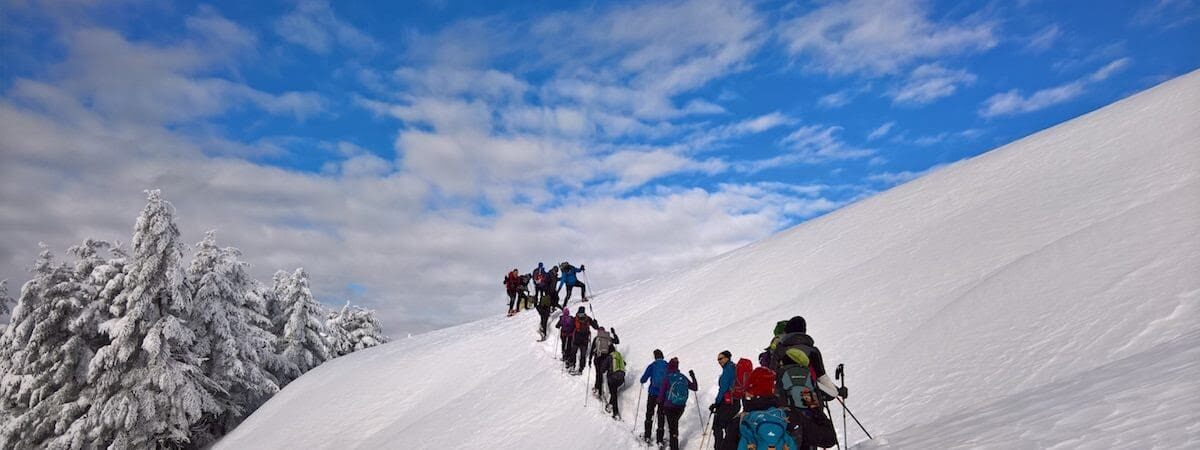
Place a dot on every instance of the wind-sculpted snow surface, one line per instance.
(1042, 295)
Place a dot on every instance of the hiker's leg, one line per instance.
(582, 289)
(673, 426)
(651, 402)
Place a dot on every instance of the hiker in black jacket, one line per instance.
(808, 423)
(582, 338)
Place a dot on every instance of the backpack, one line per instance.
(740, 378)
(677, 389)
(794, 380)
(766, 429)
(539, 278)
(567, 323)
(761, 382)
(603, 343)
(618, 364)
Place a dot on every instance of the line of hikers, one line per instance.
(547, 285)
(778, 405)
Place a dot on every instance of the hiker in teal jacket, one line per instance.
(654, 374)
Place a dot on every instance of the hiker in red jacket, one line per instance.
(512, 285)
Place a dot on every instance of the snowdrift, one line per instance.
(1042, 295)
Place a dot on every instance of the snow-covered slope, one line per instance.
(1042, 295)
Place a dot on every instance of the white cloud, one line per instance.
(1166, 14)
(313, 25)
(1044, 39)
(1109, 69)
(881, 131)
(1013, 102)
(930, 82)
(877, 37)
(490, 168)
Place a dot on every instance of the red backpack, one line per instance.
(762, 383)
(741, 378)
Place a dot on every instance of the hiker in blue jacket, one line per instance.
(724, 408)
(570, 279)
(654, 373)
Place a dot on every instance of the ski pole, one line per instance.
(840, 374)
(835, 443)
(705, 432)
(636, 410)
(585, 390)
(860, 425)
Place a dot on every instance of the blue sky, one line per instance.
(409, 154)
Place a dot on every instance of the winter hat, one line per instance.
(796, 325)
(581, 311)
(658, 354)
(673, 365)
(726, 354)
(540, 265)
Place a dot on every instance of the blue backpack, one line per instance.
(765, 429)
(677, 389)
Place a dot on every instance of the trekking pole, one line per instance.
(840, 374)
(586, 379)
(835, 443)
(705, 432)
(852, 416)
(637, 410)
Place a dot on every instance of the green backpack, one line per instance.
(618, 363)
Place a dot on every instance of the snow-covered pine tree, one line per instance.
(148, 385)
(5, 305)
(301, 344)
(335, 334)
(352, 329)
(43, 362)
(230, 339)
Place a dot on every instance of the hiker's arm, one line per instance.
(827, 386)
(616, 339)
(646, 374)
(692, 384)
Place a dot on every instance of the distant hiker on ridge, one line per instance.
(539, 282)
(570, 280)
(512, 283)
(655, 373)
(523, 292)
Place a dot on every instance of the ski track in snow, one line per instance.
(1041, 295)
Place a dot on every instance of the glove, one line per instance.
(712, 408)
(582, 267)
(843, 392)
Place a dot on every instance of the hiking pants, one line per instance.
(582, 290)
(544, 313)
(512, 298)
(583, 354)
(721, 419)
(673, 415)
(600, 378)
(568, 349)
(615, 380)
(651, 406)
